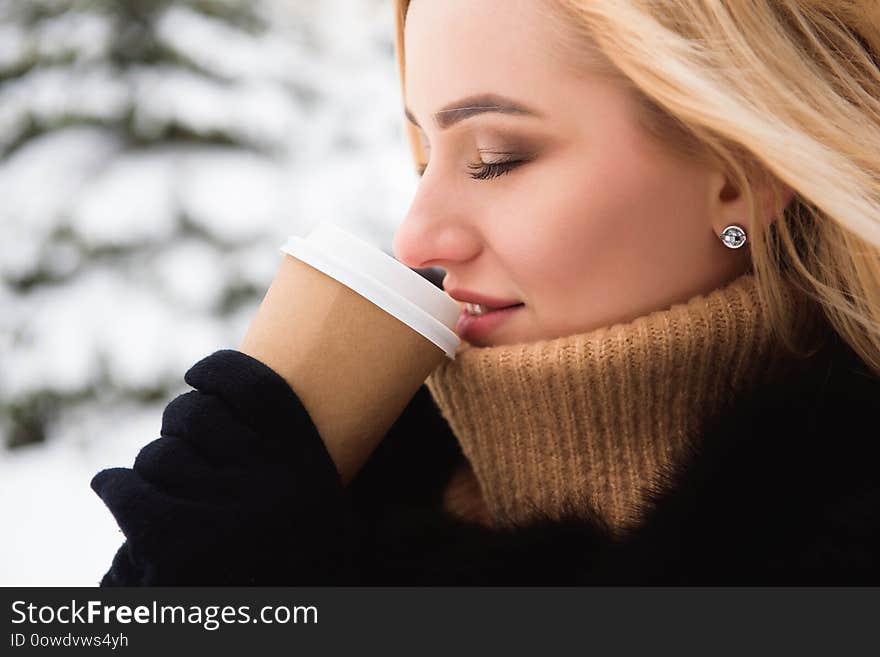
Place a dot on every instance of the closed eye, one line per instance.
(484, 170)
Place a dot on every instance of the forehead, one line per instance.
(458, 48)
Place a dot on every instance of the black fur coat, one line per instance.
(239, 490)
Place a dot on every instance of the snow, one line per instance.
(91, 91)
(13, 46)
(123, 258)
(236, 195)
(259, 113)
(130, 201)
(62, 534)
(195, 36)
(188, 272)
(103, 314)
(37, 184)
(86, 35)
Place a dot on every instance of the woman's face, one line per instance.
(573, 210)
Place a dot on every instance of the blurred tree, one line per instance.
(113, 41)
(122, 122)
(154, 154)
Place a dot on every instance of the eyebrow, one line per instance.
(473, 105)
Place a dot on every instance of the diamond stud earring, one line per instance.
(733, 236)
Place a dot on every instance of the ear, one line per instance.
(731, 206)
(774, 207)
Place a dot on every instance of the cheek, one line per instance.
(585, 219)
(590, 237)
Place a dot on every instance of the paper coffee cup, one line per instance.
(389, 284)
(355, 333)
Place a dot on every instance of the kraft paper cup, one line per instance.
(376, 276)
(355, 333)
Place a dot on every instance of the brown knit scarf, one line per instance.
(587, 421)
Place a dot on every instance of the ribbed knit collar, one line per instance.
(588, 420)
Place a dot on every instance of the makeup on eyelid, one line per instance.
(493, 161)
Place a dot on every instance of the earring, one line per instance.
(733, 236)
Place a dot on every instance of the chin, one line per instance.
(500, 340)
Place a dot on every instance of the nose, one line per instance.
(435, 235)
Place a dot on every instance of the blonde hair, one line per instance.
(780, 93)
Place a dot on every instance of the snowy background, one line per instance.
(154, 156)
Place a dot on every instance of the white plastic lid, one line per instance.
(388, 283)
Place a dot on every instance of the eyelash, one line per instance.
(485, 170)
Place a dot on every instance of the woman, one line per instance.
(680, 204)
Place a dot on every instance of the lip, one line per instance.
(483, 299)
(474, 328)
